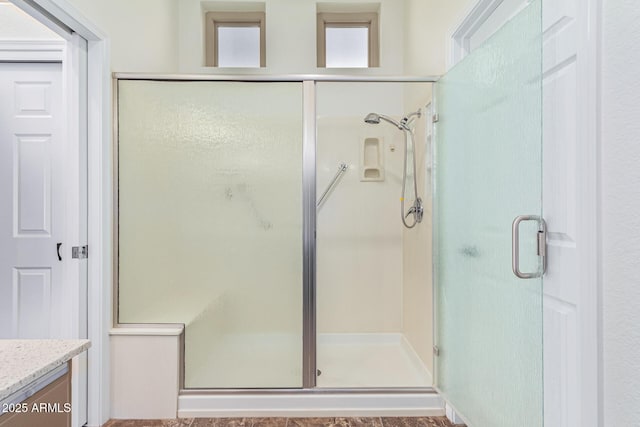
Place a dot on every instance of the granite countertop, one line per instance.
(24, 361)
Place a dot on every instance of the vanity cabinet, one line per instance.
(48, 407)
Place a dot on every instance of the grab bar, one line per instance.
(341, 169)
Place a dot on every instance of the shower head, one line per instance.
(374, 119)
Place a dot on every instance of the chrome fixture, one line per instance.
(541, 246)
(417, 209)
(342, 168)
(374, 119)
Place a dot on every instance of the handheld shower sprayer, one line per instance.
(374, 119)
(404, 125)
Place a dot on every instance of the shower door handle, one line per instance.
(541, 245)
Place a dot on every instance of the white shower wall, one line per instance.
(359, 244)
(417, 290)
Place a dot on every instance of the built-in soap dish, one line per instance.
(372, 165)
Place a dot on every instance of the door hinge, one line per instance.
(80, 252)
(436, 350)
(436, 118)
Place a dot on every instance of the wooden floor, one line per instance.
(287, 422)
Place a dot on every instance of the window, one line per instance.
(235, 39)
(348, 40)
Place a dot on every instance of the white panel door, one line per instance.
(566, 189)
(32, 200)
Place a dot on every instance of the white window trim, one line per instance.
(213, 20)
(368, 20)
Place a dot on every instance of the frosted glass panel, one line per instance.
(347, 47)
(488, 171)
(238, 46)
(210, 224)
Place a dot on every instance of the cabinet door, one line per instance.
(49, 407)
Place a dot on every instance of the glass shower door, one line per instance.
(211, 224)
(488, 172)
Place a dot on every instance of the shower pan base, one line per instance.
(363, 375)
(369, 361)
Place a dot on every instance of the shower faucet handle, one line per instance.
(417, 210)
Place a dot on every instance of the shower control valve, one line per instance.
(417, 210)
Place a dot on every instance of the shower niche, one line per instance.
(372, 160)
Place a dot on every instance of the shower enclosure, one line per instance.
(220, 229)
(219, 225)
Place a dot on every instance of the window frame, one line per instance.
(214, 20)
(369, 20)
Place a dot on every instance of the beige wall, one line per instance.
(142, 33)
(428, 28)
(165, 36)
(429, 24)
(291, 38)
(17, 25)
